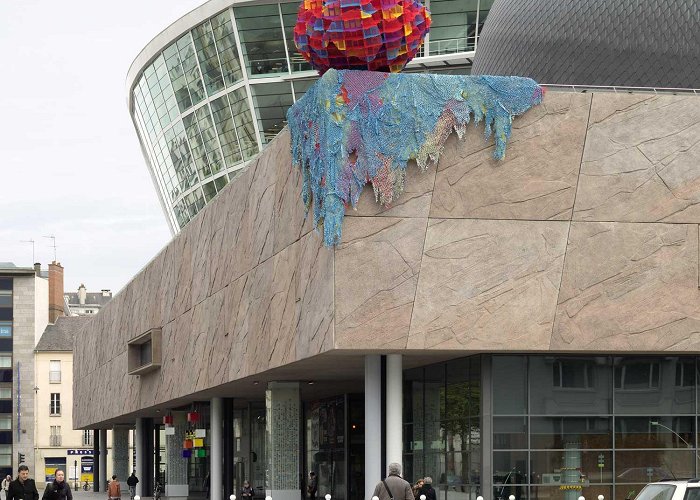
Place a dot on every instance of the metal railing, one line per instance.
(619, 89)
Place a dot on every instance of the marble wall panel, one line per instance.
(642, 159)
(536, 180)
(488, 284)
(629, 287)
(376, 273)
(290, 221)
(413, 202)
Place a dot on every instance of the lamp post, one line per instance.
(658, 424)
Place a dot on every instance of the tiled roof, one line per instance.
(59, 336)
(601, 42)
(90, 298)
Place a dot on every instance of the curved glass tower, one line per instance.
(213, 88)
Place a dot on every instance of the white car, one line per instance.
(671, 490)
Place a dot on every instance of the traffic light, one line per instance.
(20, 457)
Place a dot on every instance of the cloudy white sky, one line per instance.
(70, 162)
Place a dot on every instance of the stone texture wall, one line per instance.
(585, 238)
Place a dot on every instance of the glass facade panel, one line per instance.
(226, 130)
(289, 19)
(226, 47)
(509, 385)
(509, 433)
(453, 27)
(646, 466)
(204, 142)
(550, 433)
(654, 432)
(271, 100)
(260, 32)
(244, 122)
(571, 466)
(654, 386)
(203, 37)
(565, 385)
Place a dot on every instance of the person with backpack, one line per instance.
(393, 487)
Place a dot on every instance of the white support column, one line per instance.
(394, 408)
(216, 447)
(140, 455)
(373, 423)
(103, 460)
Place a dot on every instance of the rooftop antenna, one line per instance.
(32, 242)
(53, 239)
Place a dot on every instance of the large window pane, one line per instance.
(654, 432)
(571, 467)
(557, 432)
(203, 38)
(453, 26)
(640, 466)
(244, 122)
(566, 386)
(271, 102)
(509, 467)
(510, 433)
(509, 383)
(226, 129)
(260, 32)
(226, 45)
(289, 18)
(653, 386)
(588, 491)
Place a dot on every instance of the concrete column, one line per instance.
(176, 473)
(96, 461)
(373, 422)
(216, 449)
(394, 408)
(120, 452)
(283, 414)
(140, 455)
(103, 460)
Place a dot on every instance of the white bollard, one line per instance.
(268, 498)
(232, 497)
(422, 497)
(137, 497)
(375, 497)
(601, 497)
(479, 498)
(328, 496)
(511, 497)
(581, 498)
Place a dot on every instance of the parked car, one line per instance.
(671, 490)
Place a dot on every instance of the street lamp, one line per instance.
(658, 424)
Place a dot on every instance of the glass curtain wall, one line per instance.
(568, 426)
(442, 430)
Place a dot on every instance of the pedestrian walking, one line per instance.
(58, 489)
(131, 482)
(393, 487)
(247, 492)
(428, 489)
(22, 488)
(312, 486)
(114, 489)
(416, 488)
(6, 484)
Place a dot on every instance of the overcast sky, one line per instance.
(70, 162)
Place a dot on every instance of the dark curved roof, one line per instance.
(637, 43)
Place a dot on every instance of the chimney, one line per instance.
(55, 291)
(37, 269)
(82, 294)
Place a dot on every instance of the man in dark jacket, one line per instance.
(131, 482)
(427, 489)
(398, 488)
(22, 488)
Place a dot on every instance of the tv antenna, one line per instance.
(53, 245)
(32, 242)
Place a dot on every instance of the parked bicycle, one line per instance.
(86, 486)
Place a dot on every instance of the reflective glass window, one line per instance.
(226, 46)
(509, 378)
(208, 58)
(289, 19)
(571, 466)
(654, 432)
(190, 68)
(271, 100)
(204, 142)
(645, 466)
(557, 432)
(510, 433)
(569, 385)
(453, 27)
(243, 119)
(649, 385)
(180, 159)
(260, 32)
(484, 8)
(300, 88)
(5, 328)
(226, 130)
(177, 77)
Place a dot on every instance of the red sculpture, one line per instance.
(375, 35)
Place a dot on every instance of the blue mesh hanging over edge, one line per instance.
(354, 127)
